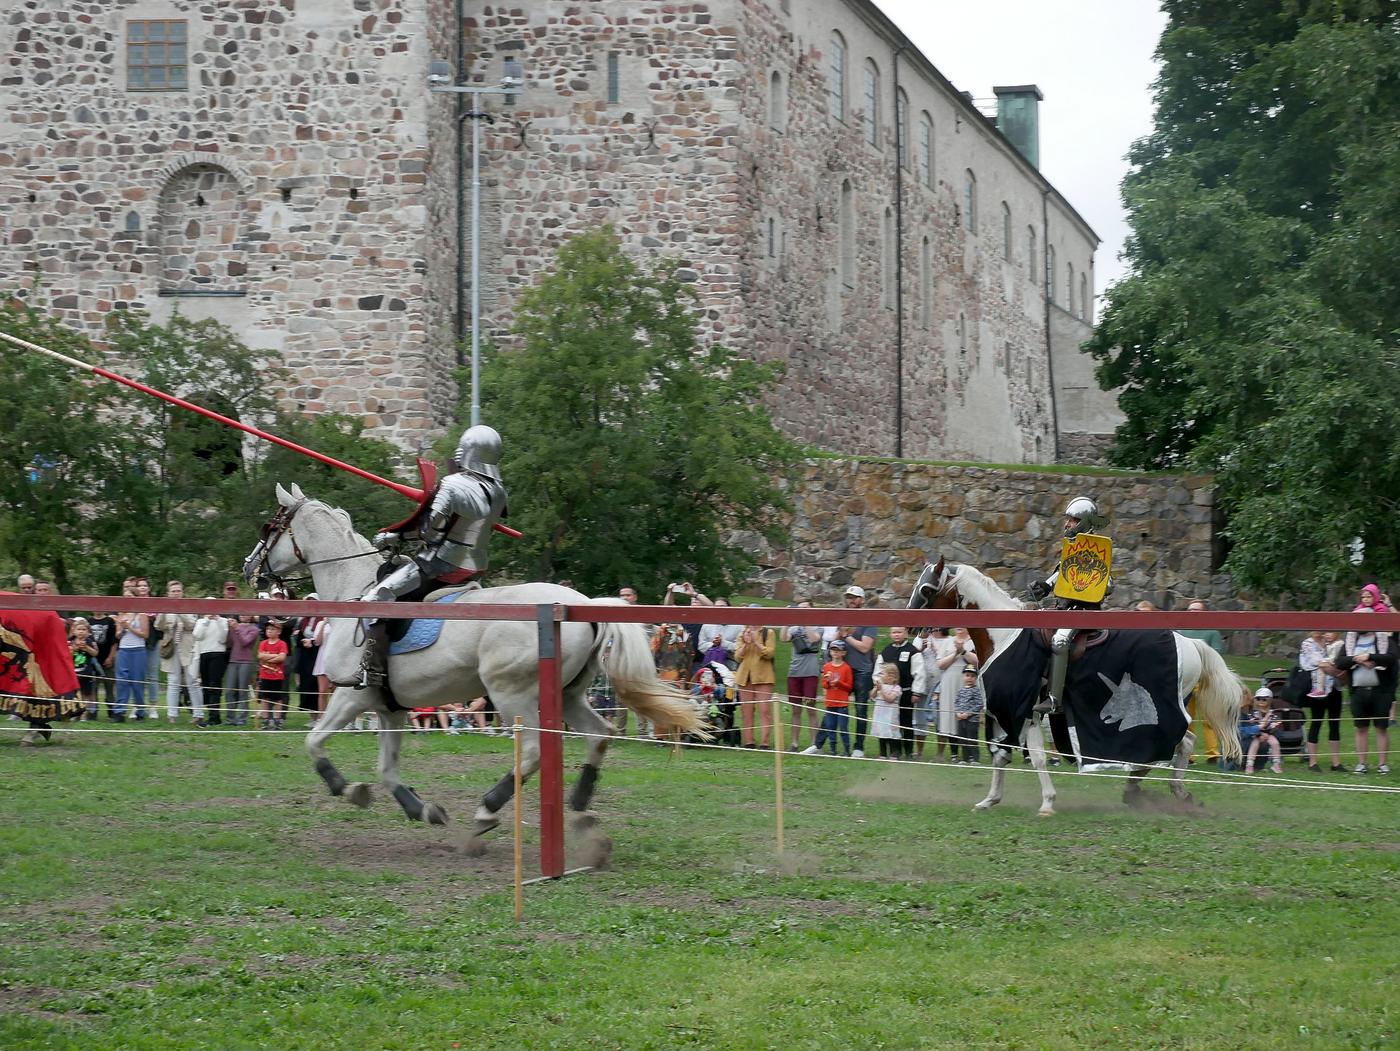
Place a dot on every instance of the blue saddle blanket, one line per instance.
(421, 633)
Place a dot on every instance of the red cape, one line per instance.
(35, 660)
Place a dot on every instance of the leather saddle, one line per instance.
(1085, 640)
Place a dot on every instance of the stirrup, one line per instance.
(1048, 705)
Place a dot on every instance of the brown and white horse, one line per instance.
(1200, 672)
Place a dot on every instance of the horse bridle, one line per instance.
(279, 525)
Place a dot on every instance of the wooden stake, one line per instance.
(519, 826)
(778, 773)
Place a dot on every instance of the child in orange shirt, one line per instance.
(272, 676)
(837, 683)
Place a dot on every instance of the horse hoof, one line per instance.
(359, 794)
(1046, 811)
(983, 806)
(585, 820)
(483, 826)
(435, 814)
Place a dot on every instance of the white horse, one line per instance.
(471, 658)
(1201, 672)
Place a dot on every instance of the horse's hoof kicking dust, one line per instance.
(360, 794)
(435, 814)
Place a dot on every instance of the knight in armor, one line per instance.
(452, 534)
(1082, 515)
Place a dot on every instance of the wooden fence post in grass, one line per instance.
(778, 772)
(519, 824)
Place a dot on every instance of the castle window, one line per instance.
(871, 116)
(926, 150)
(614, 85)
(1052, 277)
(926, 284)
(156, 58)
(887, 263)
(1084, 310)
(848, 235)
(836, 78)
(133, 223)
(199, 223)
(772, 238)
(777, 102)
(970, 202)
(1030, 252)
(901, 123)
(1069, 289)
(962, 334)
(1006, 231)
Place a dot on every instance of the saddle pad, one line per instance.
(421, 633)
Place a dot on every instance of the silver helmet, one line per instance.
(1087, 512)
(479, 451)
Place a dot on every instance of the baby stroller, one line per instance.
(721, 705)
(1291, 731)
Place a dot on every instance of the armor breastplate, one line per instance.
(467, 541)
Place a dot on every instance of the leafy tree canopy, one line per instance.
(1256, 334)
(630, 450)
(115, 482)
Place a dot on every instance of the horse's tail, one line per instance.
(627, 660)
(1218, 700)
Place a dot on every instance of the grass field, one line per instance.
(202, 891)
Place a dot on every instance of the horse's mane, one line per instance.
(343, 516)
(977, 588)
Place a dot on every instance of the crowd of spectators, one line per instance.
(844, 685)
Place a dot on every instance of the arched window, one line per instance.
(133, 223)
(1069, 287)
(1006, 248)
(926, 283)
(836, 78)
(970, 202)
(901, 121)
(871, 114)
(848, 235)
(926, 150)
(1031, 257)
(777, 102)
(1084, 311)
(962, 334)
(201, 247)
(1052, 276)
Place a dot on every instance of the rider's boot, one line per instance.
(1052, 701)
(374, 662)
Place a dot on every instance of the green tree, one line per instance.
(117, 482)
(1256, 334)
(630, 450)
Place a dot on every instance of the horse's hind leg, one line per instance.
(503, 790)
(1133, 795)
(598, 733)
(346, 704)
(390, 743)
(1001, 759)
(1180, 761)
(1035, 744)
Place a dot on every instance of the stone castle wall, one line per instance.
(282, 191)
(875, 523)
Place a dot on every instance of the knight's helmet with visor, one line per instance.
(1091, 519)
(479, 451)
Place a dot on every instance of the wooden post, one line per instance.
(778, 772)
(551, 743)
(519, 829)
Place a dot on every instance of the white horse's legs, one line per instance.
(1180, 761)
(1001, 759)
(503, 790)
(390, 743)
(581, 717)
(345, 705)
(1035, 744)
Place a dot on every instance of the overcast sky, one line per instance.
(1092, 59)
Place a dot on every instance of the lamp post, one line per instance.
(440, 82)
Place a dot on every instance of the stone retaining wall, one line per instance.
(875, 524)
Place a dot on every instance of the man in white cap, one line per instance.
(860, 655)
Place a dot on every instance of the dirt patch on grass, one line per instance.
(26, 1000)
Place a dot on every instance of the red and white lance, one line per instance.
(426, 470)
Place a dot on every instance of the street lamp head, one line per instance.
(439, 72)
(512, 74)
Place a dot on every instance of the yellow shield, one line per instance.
(1085, 565)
